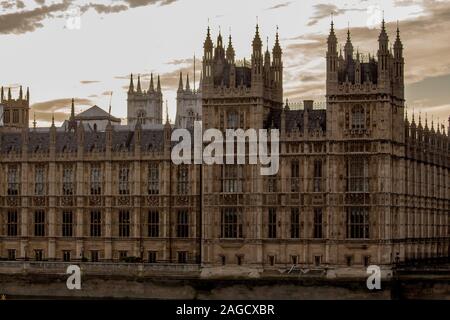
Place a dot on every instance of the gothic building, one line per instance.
(15, 111)
(358, 183)
(189, 104)
(143, 106)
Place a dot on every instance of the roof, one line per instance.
(95, 113)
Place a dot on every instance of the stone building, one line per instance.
(144, 106)
(189, 104)
(358, 183)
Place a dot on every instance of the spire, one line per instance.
(230, 50)
(131, 88)
(72, 110)
(20, 93)
(158, 85)
(2, 95)
(219, 39)
(28, 94)
(208, 45)
(167, 113)
(34, 120)
(348, 48)
(151, 87)
(277, 48)
(257, 43)
(188, 87)
(180, 84)
(138, 89)
(53, 119)
(9, 93)
(383, 38)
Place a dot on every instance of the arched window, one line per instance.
(358, 118)
(141, 117)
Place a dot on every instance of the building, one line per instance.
(358, 183)
(93, 119)
(16, 112)
(189, 104)
(143, 106)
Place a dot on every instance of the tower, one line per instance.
(144, 106)
(16, 111)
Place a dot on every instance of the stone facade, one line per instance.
(189, 104)
(144, 106)
(358, 183)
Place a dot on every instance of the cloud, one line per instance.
(28, 20)
(89, 81)
(58, 104)
(325, 10)
(280, 5)
(426, 47)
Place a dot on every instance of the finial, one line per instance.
(53, 119)
(167, 112)
(34, 120)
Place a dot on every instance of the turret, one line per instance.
(332, 59)
(277, 66)
(188, 86)
(20, 93)
(138, 89)
(257, 59)
(383, 58)
(348, 48)
(230, 51)
(207, 59)
(158, 86)
(151, 87)
(131, 87)
(180, 83)
(399, 63)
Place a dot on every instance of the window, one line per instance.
(124, 186)
(68, 184)
(232, 178)
(13, 185)
(124, 224)
(295, 223)
(6, 116)
(39, 183)
(96, 224)
(349, 260)
(317, 223)
(39, 223)
(11, 254)
(358, 118)
(272, 260)
(67, 224)
(153, 224)
(96, 178)
(366, 261)
(12, 223)
(317, 176)
(295, 175)
(294, 260)
(94, 256)
(357, 223)
(182, 256)
(240, 259)
(183, 179)
(153, 179)
(141, 117)
(15, 116)
(272, 223)
(66, 255)
(232, 120)
(358, 180)
(39, 254)
(272, 184)
(152, 256)
(223, 259)
(231, 223)
(123, 255)
(317, 260)
(183, 224)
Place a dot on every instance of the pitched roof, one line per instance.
(96, 113)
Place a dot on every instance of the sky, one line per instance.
(87, 49)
